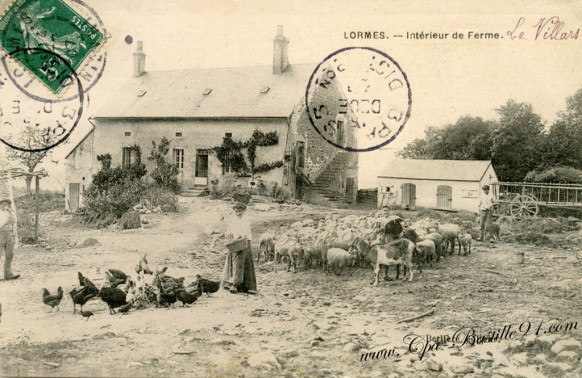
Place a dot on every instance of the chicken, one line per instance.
(81, 295)
(86, 282)
(188, 298)
(143, 267)
(113, 296)
(208, 286)
(86, 314)
(115, 277)
(166, 298)
(52, 300)
(165, 283)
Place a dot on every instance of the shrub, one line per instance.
(165, 175)
(26, 227)
(130, 220)
(48, 201)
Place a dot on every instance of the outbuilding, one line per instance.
(434, 184)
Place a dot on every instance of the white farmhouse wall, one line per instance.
(465, 194)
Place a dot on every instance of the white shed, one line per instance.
(435, 184)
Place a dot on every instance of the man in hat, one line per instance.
(239, 269)
(486, 209)
(8, 236)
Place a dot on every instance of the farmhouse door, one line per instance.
(74, 190)
(408, 196)
(444, 197)
(201, 174)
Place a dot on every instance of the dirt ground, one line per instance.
(303, 324)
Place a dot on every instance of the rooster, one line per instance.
(166, 298)
(52, 300)
(207, 286)
(113, 296)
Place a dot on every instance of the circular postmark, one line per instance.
(32, 126)
(358, 99)
(74, 36)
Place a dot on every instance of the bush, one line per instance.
(113, 191)
(48, 201)
(556, 175)
(130, 220)
(26, 227)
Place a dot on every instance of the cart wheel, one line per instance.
(524, 206)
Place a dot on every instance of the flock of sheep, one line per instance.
(378, 239)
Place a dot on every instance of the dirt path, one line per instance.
(304, 324)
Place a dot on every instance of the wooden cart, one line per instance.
(523, 200)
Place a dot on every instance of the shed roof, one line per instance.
(238, 92)
(446, 170)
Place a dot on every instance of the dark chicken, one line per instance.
(86, 314)
(52, 300)
(81, 295)
(125, 308)
(166, 298)
(113, 296)
(207, 286)
(116, 277)
(143, 267)
(188, 298)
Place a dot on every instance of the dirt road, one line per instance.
(304, 324)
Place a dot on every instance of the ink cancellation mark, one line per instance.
(49, 25)
(358, 99)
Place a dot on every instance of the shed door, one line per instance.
(444, 197)
(74, 190)
(408, 196)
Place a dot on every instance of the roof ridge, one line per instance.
(223, 68)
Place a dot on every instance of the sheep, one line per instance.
(266, 246)
(450, 233)
(338, 259)
(314, 250)
(493, 231)
(292, 249)
(438, 241)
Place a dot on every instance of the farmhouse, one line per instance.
(436, 184)
(197, 109)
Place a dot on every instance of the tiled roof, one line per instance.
(452, 170)
(238, 92)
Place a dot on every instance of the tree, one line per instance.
(470, 138)
(31, 138)
(516, 141)
(165, 174)
(561, 145)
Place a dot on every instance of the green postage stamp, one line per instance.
(49, 38)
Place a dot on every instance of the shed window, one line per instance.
(178, 134)
(179, 157)
(228, 135)
(128, 133)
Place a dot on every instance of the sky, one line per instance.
(448, 78)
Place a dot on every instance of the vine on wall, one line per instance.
(231, 156)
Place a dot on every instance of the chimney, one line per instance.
(138, 60)
(280, 51)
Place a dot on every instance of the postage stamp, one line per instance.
(51, 26)
(33, 126)
(360, 92)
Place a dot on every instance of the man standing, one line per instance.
(486, 208)
(8, 237)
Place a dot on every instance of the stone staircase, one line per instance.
(193, 191)
(321, 184)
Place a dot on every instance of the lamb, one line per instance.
(466, 241)
(338, 259)
(266, 246)
(427, 249)
(438, 241)
(493, 231)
